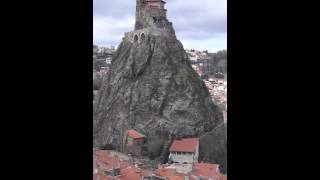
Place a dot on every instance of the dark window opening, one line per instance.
(135, 38)
(143, 37)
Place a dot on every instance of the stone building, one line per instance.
(184, 150)
(151, 19)
(148, 12)
(133, 142)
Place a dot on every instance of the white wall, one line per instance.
(185, 157)
(181, 158)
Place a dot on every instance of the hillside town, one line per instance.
(182, 165)
(212, 70)
(102, 57)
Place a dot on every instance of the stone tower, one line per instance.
(148, 12)
(138, 14)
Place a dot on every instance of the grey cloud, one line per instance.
(114, 8)
(191, 19)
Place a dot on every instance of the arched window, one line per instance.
(143, 37)
(135, 38)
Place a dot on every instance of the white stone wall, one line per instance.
(182, 157)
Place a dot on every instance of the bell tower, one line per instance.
(149, 12)
(139, 13)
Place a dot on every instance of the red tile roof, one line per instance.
(171, 174)
(156, 1)
(132, 173)
(101, 176)
(224, 177)
(134, 134)
(204, 170)
(185, 145)
(104, 160)
(208, 171)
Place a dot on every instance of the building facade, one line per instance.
(184, 151)
(133, 142)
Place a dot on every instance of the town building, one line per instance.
(133, 142)
(184, 150)
(108, 60)
(197, 69)
(194, 171)
(112, 165)
(108, 165)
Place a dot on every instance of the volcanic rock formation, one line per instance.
(152, 88)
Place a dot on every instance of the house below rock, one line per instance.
(133, 142)
(184, 150)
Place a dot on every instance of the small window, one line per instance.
(143, 37)
(135, 38)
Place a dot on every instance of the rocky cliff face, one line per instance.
(153, 89)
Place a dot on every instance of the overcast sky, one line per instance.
(201, 26)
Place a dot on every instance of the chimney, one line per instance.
(218, 169)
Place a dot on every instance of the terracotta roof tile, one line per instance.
(209, 171)
(134, 134)
(170, 174)
(185, 145)
(132, 173)
(105, 160)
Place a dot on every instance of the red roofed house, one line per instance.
(133, 142)
(108, 166)
(105, 166)
(208, 171)
(185, 150)
(194, 171)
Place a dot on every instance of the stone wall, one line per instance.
(182, 158)
(146, 32)
(145, 15)
(157, 12)
(130, 36)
